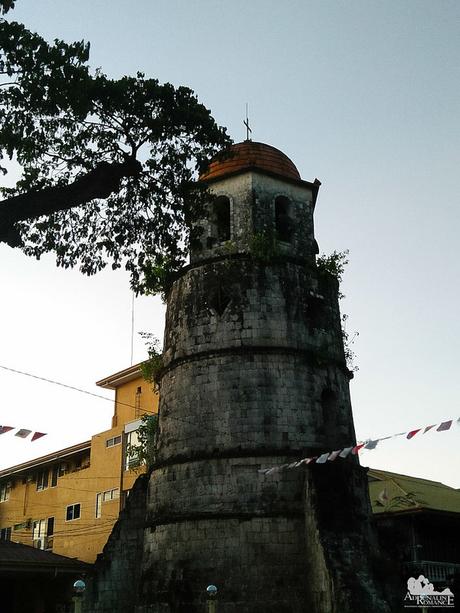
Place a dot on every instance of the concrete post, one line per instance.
(212, 606)
(77, 604)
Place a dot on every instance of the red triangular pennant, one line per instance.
(4, 429)
(37, 435)
(412, 433)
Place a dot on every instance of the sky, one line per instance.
(361, 94)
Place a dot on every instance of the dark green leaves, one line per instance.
(6, 5)
(107, 165)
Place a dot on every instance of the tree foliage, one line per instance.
(152, 367)
(6, 5)
(108, 165)
(142, 452)
(334, 264)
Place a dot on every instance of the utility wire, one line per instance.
(88, 525)
(70, 387)
(203, 429)
(72, 489)
(59, 534)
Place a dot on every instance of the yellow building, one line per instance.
(68, 501)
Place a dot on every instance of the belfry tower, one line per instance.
(254, 376)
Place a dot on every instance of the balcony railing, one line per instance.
(436, 572)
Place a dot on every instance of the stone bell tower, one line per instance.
(254, 376)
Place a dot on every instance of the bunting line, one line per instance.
(22, 432)
(369, 444)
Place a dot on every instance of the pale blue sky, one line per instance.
(363, 95)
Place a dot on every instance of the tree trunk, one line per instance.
(97, 183)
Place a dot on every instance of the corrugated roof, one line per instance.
(30, 558)
(50, 457)
(395, 493)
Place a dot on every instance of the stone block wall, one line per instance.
(214, 486)
(343, 559)
(252, 211)
(114, 584)
(264, 401)
(250, 350)
(251, 560)
(253, 374)
(239, 302)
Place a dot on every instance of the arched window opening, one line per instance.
(222, 218)
(283, 220)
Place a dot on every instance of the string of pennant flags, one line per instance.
(328, 456)
(368, 444)
(22, 432)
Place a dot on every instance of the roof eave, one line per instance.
(112, 382)
(301, 182)
(416, 511)
(39, 567)
(46, 459)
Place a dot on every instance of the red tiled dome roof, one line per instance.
(249, 155)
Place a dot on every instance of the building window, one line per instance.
(72, 512)
(42, 480)
(5, 534)
(39, 533)
(111, 495)
(111, 442)
(98, 505)
(131, 454)
(5, 489)
(54, 476)
(124, 498)
(43, 529)
(106, 496)
(138, 402)
(50, 526)
(221, 216)
(283, 221)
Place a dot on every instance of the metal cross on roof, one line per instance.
(246, 123)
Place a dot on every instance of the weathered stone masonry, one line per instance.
(114, 584)
(254, 376)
